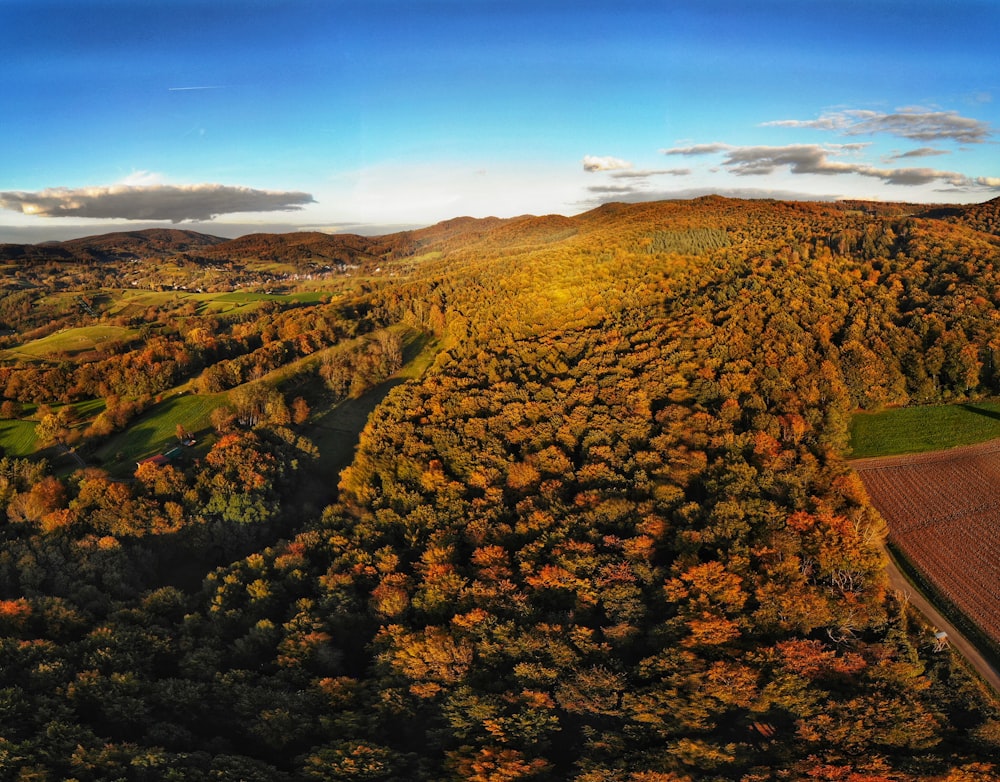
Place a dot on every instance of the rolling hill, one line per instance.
(605, 528)
(125, 245)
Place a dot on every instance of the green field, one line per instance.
(88, 408)
(17, 438)
(156, 429)
(134, 301)
(916, 429)
(334, 430)
(73, 341)
(419, 352)
(335, 433)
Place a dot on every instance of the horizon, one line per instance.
(236, 117)
(235, 231)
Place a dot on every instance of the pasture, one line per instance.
(906, 430)
(17, 438)
(71, 342)
(156, 429)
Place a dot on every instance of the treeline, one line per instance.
(221, 354)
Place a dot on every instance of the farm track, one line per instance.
(901, 584)
(943, 513)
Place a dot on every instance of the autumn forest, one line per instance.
(541, 498)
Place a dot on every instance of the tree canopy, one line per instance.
(608, 534)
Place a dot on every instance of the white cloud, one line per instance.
(151, 201)
(646, 173)
(824, 160)
(911, 123)
(614, 189)
(939, 130)
(815, 159)
(800, 159)
(697, 149)
(607, 163)
(921, 152)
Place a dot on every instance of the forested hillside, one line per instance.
(608, 534)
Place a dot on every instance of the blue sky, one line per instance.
(232, 116)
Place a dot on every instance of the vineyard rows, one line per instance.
(943, 513)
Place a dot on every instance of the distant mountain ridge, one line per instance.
(300, 246)
(121, 245)
(342, 249)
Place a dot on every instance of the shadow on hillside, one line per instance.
(939, 213)
(980, 411)
(416, 346)
(336, 435)
(184, 558)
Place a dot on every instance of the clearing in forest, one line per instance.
(943, 513)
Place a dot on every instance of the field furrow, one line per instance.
(943, 513)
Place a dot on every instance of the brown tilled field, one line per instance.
(943, 512)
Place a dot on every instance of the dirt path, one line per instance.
(958, 642)
(72, 454)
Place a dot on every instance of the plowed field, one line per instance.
(943, 512)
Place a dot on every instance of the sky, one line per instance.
(370, 116)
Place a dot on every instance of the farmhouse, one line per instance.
(159, 460)
(162, 459)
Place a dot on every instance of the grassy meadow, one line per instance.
(916, 429)
(17, 438)
(72, 342)
(156, 429)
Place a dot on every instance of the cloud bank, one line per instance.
(634, 183)
(698, 149)
(819, 159)
(175, 203)
(853, 160)
(905, 123)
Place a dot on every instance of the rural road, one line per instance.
(958, 642)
